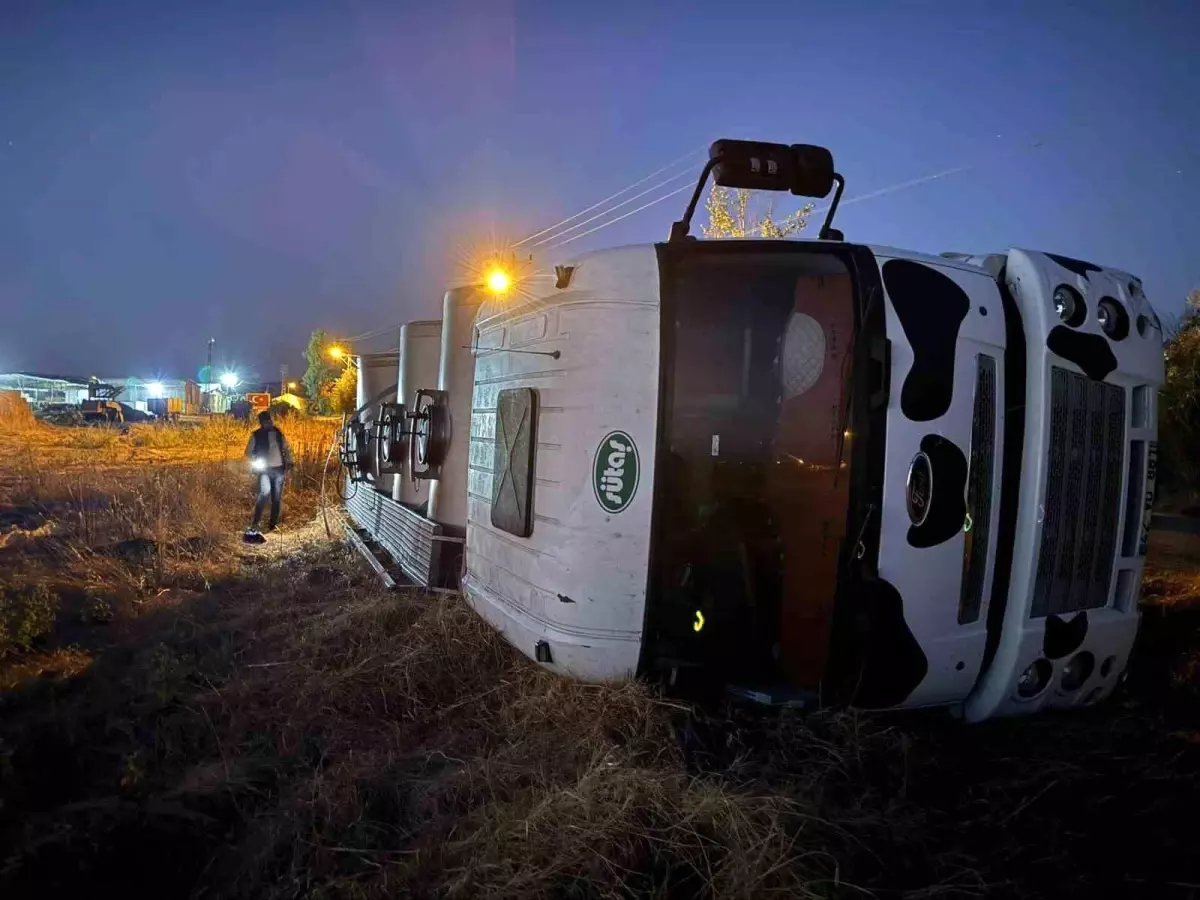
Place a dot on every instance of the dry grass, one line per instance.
(291, 728)
(100, 533)
(212, 719)
(14, 411)
(110, 447)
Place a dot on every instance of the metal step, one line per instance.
(372, 553)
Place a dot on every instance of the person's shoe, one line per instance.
(271, 528)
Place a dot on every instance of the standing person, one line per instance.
(270, 458)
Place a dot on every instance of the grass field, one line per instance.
(184, 715)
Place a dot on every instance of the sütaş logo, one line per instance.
(615, 471)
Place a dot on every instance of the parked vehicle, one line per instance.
(102, 412)
(133, 414)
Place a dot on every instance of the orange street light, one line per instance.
(498, 281)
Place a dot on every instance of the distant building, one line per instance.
(174, 395)
(295, 401)
(180, 395)
(40, 390)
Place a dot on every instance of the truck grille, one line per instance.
(979, 490)
(1083, 494)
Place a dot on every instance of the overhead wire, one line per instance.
(878, 193)
(650, 190)
(1024, 147)
(611, 197)
(553, 233)
(558, 237)
(375, 332)
(871, 195)
(679, 190)
(913, 182)
(556, 230)
(882, 191)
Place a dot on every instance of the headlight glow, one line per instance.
(258, 464)
(1069, 305)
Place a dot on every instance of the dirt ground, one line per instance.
(184, 715)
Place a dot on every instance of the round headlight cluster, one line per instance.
(1113, 319)
(1078, 671)
(1034, 679)
(1069, 306)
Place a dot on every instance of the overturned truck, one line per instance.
(812, 472)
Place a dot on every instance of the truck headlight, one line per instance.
(1069, 306)
(1034, 679)
(1113, 319)
(1078, 671)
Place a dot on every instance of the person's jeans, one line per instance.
(270, 487)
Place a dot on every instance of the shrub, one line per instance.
(1179, 403)
(26, 614)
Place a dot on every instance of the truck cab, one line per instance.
(812, 472)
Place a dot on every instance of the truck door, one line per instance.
(751, 511)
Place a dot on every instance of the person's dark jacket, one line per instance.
(269, 443)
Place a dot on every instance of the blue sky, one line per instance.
(251, 171)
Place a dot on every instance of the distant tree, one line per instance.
(1179, 401)
(730, 216)
(279, 410)
(322, 371)
(342, 393)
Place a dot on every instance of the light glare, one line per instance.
(498, 281)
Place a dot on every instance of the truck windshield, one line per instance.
(756, 491)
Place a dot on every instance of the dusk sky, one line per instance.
(251, 171)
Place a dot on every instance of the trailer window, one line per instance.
(512, 498)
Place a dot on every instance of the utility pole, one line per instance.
(209, 378)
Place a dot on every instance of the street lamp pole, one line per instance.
(208, 377)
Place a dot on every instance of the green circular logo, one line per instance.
(615, 471)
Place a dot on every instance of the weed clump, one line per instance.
(27, 615)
